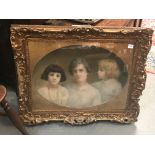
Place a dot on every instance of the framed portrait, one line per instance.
(79, 74)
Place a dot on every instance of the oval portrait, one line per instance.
(79, 76)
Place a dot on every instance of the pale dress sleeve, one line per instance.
(97, 98)
(97, 85)
(65, 96)
(116, 89)
(43, 92)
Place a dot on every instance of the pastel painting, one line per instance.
(79, 77)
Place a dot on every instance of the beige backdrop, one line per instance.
(44, 52)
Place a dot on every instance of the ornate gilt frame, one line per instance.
(20, 33)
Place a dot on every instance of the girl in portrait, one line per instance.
(53, 91)
(108, 74)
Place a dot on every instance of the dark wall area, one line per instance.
(7, 67)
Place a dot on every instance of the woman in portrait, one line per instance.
(108, 74)
(82, 94)
(53, 91)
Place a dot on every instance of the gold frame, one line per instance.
(19, 36)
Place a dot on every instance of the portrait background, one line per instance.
(62, 52)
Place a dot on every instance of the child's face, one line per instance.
(54, 78)
(101, 73)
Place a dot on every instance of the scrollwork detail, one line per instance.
(20, 34)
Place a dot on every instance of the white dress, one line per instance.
(108, 88)
(54, 95)
(82, 97)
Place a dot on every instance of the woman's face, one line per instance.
(80, 74)
(54, 78)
